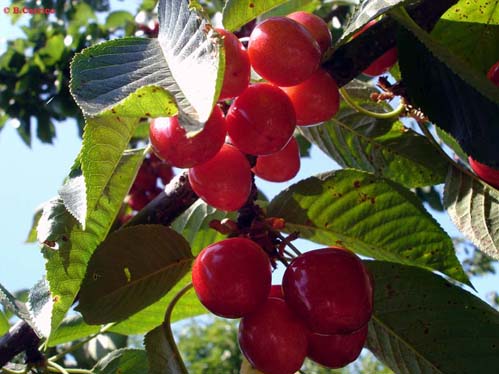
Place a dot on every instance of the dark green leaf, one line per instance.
(237, 13)
(451, 143)
(471, 31)
(123, 361)
(68, 247)
(370, 215)
(72, 328)
(378, 146)
(452, 95)
(424, 324)
(430, 195)
(474, 209)
(133, 268)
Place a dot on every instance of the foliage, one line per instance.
(126, 275)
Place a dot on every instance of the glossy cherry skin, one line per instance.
(224, 181)
(315, 100)
(336, 351)
(283, 52)
(493, 73)
(486, 173)
(273, 339)
(315, 26)
(280, 166)
(330, 289)
(232, 277)
(276, 291)
(261, 120)
(237, 66)
(170, 141)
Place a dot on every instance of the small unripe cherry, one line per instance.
(232, 277)
(170, 141)
(261, 120)
(330, 290)
(280, 166)
(237, 66)
(486, 173)
(336, 351)
(273, 339)
(224, 181)
(315, 100)
(283, 51)
(493, 73)
(315, 26)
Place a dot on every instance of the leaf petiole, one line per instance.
(394, 113)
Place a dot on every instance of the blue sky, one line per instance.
(33, 175)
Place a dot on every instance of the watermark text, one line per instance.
(27, 10)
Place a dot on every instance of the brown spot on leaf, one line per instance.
(56, 298)
(50, 243)
(251, 5)
(356, 184)
(147, 114)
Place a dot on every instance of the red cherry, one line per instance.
(224, 181)
(283, 52)
(145, 179)
(261, 120)
(315, 100)
(276, 291)
(138, 200)
(273, 339)
(493, 73)
(170, 141)
(165, 173)
(330, 290)
(486, 173)
(237, 66)
(336, 351)
(280, 166)
(232, 277)
(382, 63)
(315, 26)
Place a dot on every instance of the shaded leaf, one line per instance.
(237, 13)
(452, 95)
(123, 361)
(72, 328)
(13, 305)
(379, 146)
(471, 30)
(68, 247)
(369, 215)
(451, 143)
(424, 324)
(133, 268)
(474, 208)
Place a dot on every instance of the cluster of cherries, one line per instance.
(320, 311)
(146, 187)
(487, 173)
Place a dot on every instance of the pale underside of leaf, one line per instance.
(474, 208)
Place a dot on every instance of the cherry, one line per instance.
(261, 120)
(165, 173)
(493, 73)
(330, 289)
(486, 173)
(283, 51)
(137, 200)
(171, 143)
(237, 66)
(224, 181)
(336, 351)
(280, 166)
(145, 179)
(315, 100)
(276, 291)
(315, 26)
(382, 63)
(273, 339)
(232, 277)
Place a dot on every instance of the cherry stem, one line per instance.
(287, 241)
(350, 101)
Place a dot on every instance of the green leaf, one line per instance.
(452, 95)
(379, 146)
(424, 324)
(451, 143)
(193, 225)
(123, 361)
(133, 268)
(118, 19)
(72, 328)
(13, 305)
(370, 215)
(152, 316)
(471, 31)
(52, 52)
(40, 307)
(293, 6)
(68, 247)
(31, 238)
(237, 13)
(474, 208)
(4, 324)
